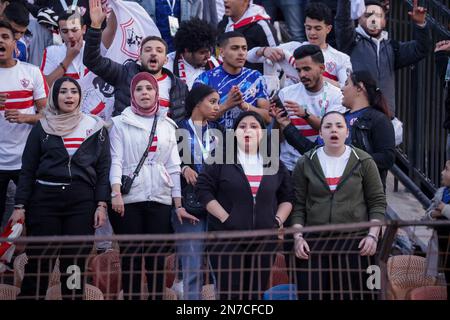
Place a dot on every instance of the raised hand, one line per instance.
(442, 46)
(418, 14)
(97, 14)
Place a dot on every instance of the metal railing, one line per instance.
(238, 265)
(420, 98)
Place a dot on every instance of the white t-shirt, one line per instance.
(25, 84)
(164, 84)
(317, 103)
(84, 129)
(336, 62)
(333, 167)
(187, 72)
(54, 55)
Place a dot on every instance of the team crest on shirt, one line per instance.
(252, 92)
(25, 83)
(131, 42)
(331, 66)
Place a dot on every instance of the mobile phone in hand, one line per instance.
(278, 104)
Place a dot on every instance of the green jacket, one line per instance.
(358, 197)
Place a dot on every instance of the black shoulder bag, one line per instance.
(127, 181)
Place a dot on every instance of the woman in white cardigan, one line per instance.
(146, 209)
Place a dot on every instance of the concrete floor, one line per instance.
(406, 207)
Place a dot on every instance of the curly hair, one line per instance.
(193, 35)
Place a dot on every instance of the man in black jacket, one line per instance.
(153, 56)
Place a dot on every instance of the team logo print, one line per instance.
(331, 66)
(131, 42)
(25, 83)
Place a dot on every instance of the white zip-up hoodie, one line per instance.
(159, 177)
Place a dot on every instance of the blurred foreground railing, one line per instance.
(244, 265)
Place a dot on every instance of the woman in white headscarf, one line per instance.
(63, 184)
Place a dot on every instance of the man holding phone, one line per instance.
(308, 101)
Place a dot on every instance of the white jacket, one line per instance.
(155, 182)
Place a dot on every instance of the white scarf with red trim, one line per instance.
(253, 14)
(133, 25)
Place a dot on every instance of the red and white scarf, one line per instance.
(253, 14)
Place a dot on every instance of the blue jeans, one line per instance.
(191, 253)
(293, 12)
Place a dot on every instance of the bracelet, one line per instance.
(280, 223)
(102, 205)
(298, 236)
(375, 238)
(184, 169)
(19, 206)
(63, 67)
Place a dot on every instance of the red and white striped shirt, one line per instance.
(164, 83)
(333, 167)
(54, 55)
(253, 169)
(24, 84)
(317, 104)
(148, 123)
(254, 182)
(73, 141)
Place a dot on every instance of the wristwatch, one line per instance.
(307, 115)
(115, 194)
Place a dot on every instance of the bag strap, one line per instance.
(144, 156)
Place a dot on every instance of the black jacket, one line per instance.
(442, 58)
(45, 158)
(120, 76)
(372, 132)
(228, 184)
(256, 37)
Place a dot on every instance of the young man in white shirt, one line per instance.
(308, 101)
(318, 24)
(67, 59)
(23, 94)
(193, 42)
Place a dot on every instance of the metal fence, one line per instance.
(240, 265)
(420, 98)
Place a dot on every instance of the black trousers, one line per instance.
(5, 178)
(335, 270)
(242, 270)
(143, 218)
(58, 211)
